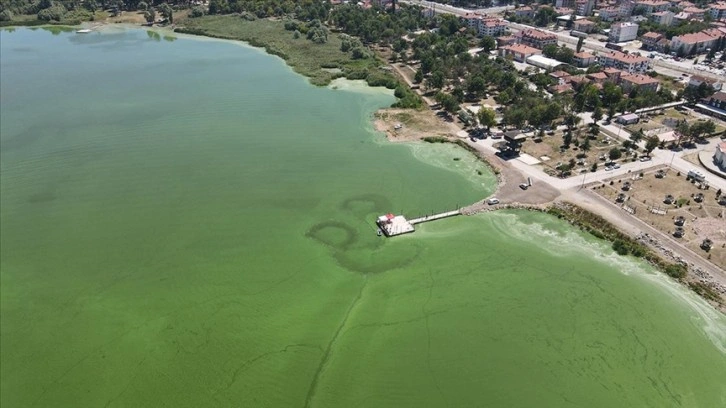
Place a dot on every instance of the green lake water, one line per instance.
(189, 223)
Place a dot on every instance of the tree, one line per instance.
(615, 153)
(436, 81)
(150, 15)
(167, 12)
(580, 42)
(448, 102)
(418, 77)
(567, 139)
(637, 136)
(487, 117)
(596, 114)
(701, 128)
(550, 50)
(651, 142)
(487, 43)
(585, 145)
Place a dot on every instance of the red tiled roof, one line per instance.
(584, 55)
(522, 49)
(537, 35)
(625, 58)
(694, 38)
(639, 79)
(652, 35)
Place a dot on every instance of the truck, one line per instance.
(578, 34)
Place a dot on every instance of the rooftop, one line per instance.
(537, 34)
(584, 55)
(639, 79)
(694, 38)
(652, 35)
(521, 48)
(625, 58)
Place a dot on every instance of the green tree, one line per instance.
(651, 142)
(487, 43)
(448, 102)
(580, 42)
(701, 128)
(615, 153)
(487, 117)
(550, 50)
(596, 114)
(150, 15)
(436, 80)
(167, 12)
(585, 145)
(418, 77)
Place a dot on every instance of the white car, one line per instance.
(608, 168)
(493, 201)
(616, 166)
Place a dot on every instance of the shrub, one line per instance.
(197, 11)
(676, 271)
(620, 247)
(6, 15)
(52, 13)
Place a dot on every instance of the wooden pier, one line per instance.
(393, 225)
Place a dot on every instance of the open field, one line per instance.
(702, 220)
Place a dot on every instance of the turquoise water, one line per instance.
(189, 223)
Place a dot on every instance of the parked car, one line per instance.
(524, 186)
(493, 201)
(645, 158)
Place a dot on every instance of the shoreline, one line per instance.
(547, 199)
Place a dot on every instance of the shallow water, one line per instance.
(189, 223)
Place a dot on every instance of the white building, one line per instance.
(720, 156)
(621, 32)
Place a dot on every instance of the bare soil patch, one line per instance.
(646, 199)
(404, 125)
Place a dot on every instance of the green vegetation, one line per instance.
(435, 139)
(624, 245)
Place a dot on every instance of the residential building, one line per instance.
(583, 59)
(637, 81)
(519, 52)
(696, 81)
(719, 156)
(609, 14)
(561, 77)
(695, 43)
(524, 12)
(628, 119)
(651, 6)
(695, 13)
(562, 88)
(506, 40)
(584, 7)
(626, 8)
(613, 74)
(650, 39)
(536, 38)
(664, 18)
(621, 32)
(717, 100)
(483, 25)
(630, 63)
(585, 26)
(718, 11)
(565, 3)
(597, 77)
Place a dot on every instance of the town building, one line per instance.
(651, 6)
(482, 25)
(583, 25)
(664, 18)
(561, 77)
(583, 59)
(650, 39)
(597, 77)
(584, 7)
(695, 13)
(630, 63)
(536, 38)
(640, 82)
(519, 52)
(717, 11)
(565, 3)
(609, 14)
(696, 80)
(694, 43)
(506, 40)
(524, 12)
(719, 156)
(621, 32)
(714, 105)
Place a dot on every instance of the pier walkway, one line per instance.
(435, 217)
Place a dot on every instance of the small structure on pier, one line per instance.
(393, 225)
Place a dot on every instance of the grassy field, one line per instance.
(304, 56)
